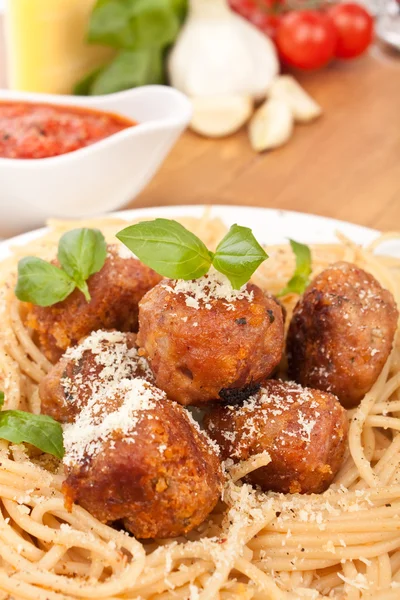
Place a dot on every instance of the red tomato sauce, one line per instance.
(42, 130)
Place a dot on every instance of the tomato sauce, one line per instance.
(30, 130)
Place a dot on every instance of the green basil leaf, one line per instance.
(301, 277)
(43, 432)
(81, 253)
(42, 283)
(84, 86)
(130, 69)
(154, 23)
(168, 248)
(180, 8)
(1, 399)
(135, 24)
(238, 255)
(110, 24)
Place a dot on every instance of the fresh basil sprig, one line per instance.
(43, 432)
(174, 252)
(140, 32)
(42, 283)
(301, 277)
(168, 248)
(238, 255)
(81, 253)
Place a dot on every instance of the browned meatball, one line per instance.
(341, 333)
(205, 341)
(145, 463)
(115, 293)
(303, 430)
(102, 357)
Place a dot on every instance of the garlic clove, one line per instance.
(271, 125)
(219, 116)
(303, 107)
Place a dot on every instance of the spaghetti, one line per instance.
(344, 543)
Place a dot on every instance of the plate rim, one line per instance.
(216, 210)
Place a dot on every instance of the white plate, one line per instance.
(270, 226)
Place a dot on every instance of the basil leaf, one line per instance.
(129, 69)
(238, 255)
(43, 432)
(84, 86)
(42, 283)
(135, 24)
(301, 277)
(1, 399)
(81, 253)
(180, 7)
(154, 23)
(110, 24)
(142, 30)
(168, 248)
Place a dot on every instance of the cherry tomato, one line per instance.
(355, 29)
(267, 23)
(306, 39)
(245, 8)
(257, 11)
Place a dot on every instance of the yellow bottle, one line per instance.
(46, 47)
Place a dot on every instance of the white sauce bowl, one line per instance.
(97, 178)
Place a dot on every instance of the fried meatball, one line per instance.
(145, 463)
(341, 333)
(303, 430)
(205, 341)
(102, 357)
(115, 293)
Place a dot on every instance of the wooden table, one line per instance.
(346, 165)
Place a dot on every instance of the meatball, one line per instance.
(303, 430)
(341, 333)
(115, 293)
(102, 357)
(205, 341)
(145, 463)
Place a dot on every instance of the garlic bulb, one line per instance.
(218, 116)
(219, 53)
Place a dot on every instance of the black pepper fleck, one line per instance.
(241, 321)
(271, 315)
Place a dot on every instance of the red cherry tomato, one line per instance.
(267, 23)
(355, 29)
(306, 39)
(245, 8)
(260, 12)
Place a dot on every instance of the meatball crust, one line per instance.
(303, 430)
(341, 333)
(115, 293)
(200, 351)
(161, 479)
(102, 357)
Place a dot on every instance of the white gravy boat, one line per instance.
(97, 178)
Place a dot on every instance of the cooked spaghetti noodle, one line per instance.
(344, 543)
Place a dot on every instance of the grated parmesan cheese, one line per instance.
(117, 407)
(111, 359)
(270, 402)
(360, 582)
(203, 292)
